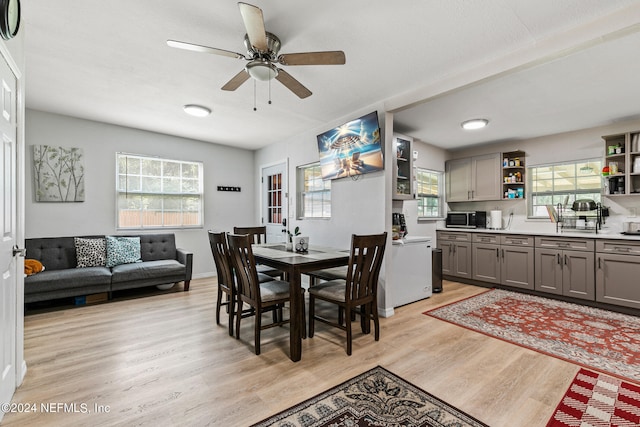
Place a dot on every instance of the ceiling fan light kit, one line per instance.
(474, 124)
(196, 110)
(263, 54)
(262, 70)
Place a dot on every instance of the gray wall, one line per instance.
(97, 214)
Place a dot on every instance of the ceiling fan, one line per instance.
(263, 54)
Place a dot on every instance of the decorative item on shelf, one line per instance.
(613, 168)
(605, 171)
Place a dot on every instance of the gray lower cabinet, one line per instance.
(618, 273)
(456, 253)
(568, 272)
(503, 259)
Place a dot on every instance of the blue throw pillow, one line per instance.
(122, 250)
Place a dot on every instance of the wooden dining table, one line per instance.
(294, 264)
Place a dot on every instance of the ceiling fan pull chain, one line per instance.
(254, 96)
(270, 92)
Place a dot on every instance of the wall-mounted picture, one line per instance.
(58, 173)
(351, 149)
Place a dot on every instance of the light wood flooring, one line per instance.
(161, 360)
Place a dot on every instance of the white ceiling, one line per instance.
(562, 65)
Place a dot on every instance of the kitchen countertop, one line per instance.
(602, 234)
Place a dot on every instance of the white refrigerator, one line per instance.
(410, 278)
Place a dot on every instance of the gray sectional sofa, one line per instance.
(160, 263)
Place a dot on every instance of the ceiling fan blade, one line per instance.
(334, 57)
(292, 84)
(204, 49)
(254, 23)
(236, 81)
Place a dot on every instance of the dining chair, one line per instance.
(259, 235)
(358, 292)
(226, 278)
(262, 297)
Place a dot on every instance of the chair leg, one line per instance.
(347, 319)
(231, 310)
(218, 303)
(304, 318)
(238, 318)
(312, 313)
(376, 320)
(256, 332)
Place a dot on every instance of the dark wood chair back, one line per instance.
(365, 262)
(224, 271)
(258, 234)
(244, 265)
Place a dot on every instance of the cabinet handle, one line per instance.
(622, 249)
(497, 253)
(565, 260)
(503, 254)
(558, 258)
(454, 249)
(599, 263)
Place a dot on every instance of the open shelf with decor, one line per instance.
(621, 170)
(513, 175)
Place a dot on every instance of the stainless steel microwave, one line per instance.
(469, 219)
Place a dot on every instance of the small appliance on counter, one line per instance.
(399, 225)
(495, 220)
(468, 219)
(631, 228)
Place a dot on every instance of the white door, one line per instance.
(274, 201)
(8, 224)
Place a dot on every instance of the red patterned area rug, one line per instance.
(603, 340)
(374, 398)
(598, 400)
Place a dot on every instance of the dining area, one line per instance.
(256, 277)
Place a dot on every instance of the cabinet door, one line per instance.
(486, 262)
(517, 266)
(403, 171)
(617, 280)
(462, 260)
(578, 274)
(447, 256)
(486, 175)
(548, 267)
(458, 180)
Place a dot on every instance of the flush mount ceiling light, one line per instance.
(197, 110)
(474, 124)
(262, 70)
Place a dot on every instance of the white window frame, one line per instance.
(302, 195)
(558, 196)
(422, 198)
(190, 188)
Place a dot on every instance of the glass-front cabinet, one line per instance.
(403, 168)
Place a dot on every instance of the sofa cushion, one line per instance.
(122, 250)
(90, 252)
(55, 253)
(51, 280)
(147, 270)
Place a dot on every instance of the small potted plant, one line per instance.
(289, 243)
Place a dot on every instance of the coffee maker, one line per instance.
(399, 221)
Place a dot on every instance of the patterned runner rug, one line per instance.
(598, 400)
(600, 339)
(374, 398)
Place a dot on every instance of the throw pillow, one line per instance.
(122, 250)
(90, 252)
